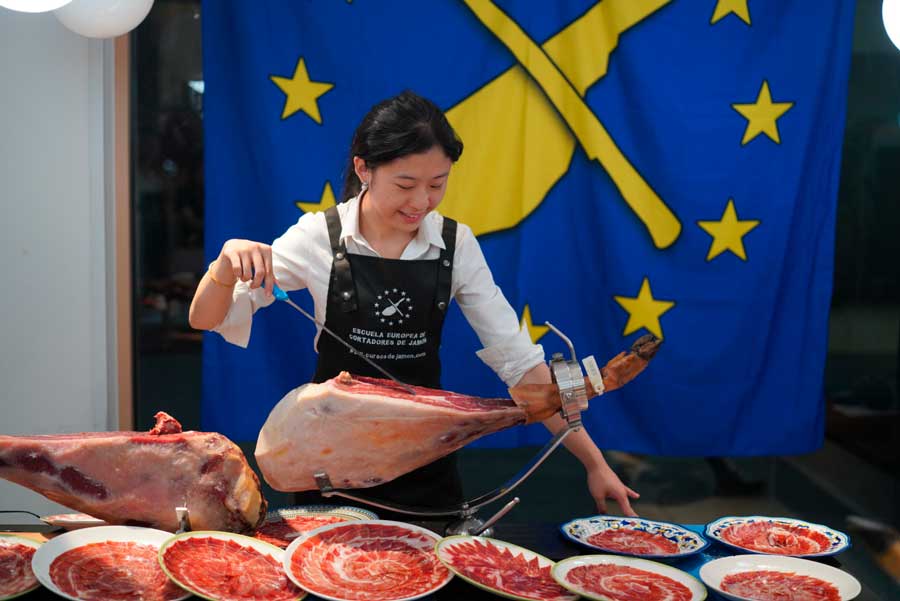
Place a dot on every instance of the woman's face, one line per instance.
(403, 191)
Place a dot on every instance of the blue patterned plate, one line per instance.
(616, 532)
(784, 531)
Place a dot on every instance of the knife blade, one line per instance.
(283, 296)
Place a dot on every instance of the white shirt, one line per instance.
(302, 258)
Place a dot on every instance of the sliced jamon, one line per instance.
(767, 585)
(283, 531)
(625, 583)
(638, 542)
(16, 576)
(112, 571)
(227, 570)
(139, 478)
(368, 561)
(776, 538)
(501, 569)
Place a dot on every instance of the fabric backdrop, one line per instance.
(630, 166)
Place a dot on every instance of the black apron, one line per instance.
(392, 311)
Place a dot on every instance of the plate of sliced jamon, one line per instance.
(634, 536)
(282, 526)
(502, 568)
(605, 577)
(16, 576)
(222, 566)
(107, 562)
(367, 560)
(777, 536)
(774, 578)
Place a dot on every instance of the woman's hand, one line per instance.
(605, 484)
(247, 261)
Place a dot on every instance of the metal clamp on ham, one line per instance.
(567, 375)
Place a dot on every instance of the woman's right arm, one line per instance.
(243, 260)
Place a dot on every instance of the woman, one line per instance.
(383, 265)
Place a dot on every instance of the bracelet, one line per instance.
(213, 278)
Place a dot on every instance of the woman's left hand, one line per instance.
(605, 484)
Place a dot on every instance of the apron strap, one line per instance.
(343, 277)
(445, 266)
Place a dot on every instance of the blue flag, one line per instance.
(630, 166)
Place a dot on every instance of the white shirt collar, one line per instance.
(429, 233)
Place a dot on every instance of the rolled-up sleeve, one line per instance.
(290, 265)
(508, 350)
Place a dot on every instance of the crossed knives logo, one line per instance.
(393, 306)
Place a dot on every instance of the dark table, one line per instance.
(546, 540)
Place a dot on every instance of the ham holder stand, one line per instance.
(568, 376)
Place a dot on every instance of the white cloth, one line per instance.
(302, 258)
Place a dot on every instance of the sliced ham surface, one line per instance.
(368, 561)
(503, 570)
(16, 576)
(768, 585)
(228, 571)
(638, 542)
(139, 478)
(113, 570)
(624, 583)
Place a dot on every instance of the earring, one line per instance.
(364, 186)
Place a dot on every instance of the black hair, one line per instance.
(397, 127)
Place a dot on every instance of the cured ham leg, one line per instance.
(139, 478)
(366, 431)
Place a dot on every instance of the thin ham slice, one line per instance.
(139, 478)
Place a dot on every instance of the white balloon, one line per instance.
(103, 18)
(33, 6)
(890, 14)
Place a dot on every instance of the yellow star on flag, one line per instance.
(325, 202)
(534, 331)
(727, 7)
(762, 115)
(302, 94)
(644, 311)
(727, 233)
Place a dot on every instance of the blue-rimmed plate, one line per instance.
(606, 577)
(354, 513)
(777, 536)
(634, 536)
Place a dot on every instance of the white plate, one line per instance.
(688, 542)
(28, 542)
(73, 521)
(838, 541)
(355, 513)
(55, 547)
(293, 547)
(443, 552)
(713, 572)
(246, 541)
(562, 568)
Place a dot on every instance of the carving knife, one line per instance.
(283, 296)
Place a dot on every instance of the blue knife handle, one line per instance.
(279, 293)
